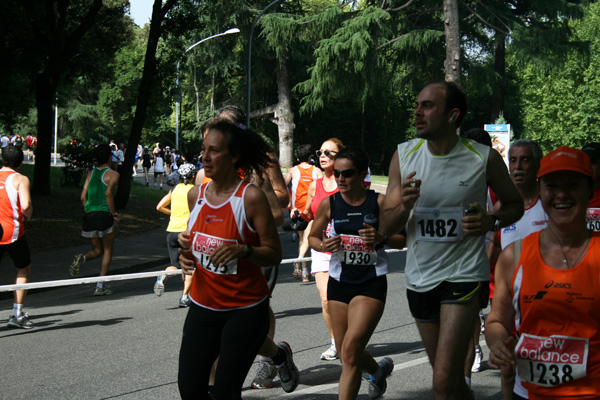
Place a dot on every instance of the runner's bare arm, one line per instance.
(24, 197)
(400, 198)
(111, 181)
(83, 196)
(163, 204)
(396, 241)
(317, 239)
(277, 182)
(309, 197)
(499, 323)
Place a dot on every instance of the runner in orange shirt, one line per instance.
(547, 285)
(301, 176)
(15, 207)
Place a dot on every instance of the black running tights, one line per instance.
(234, 336)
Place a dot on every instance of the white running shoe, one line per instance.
(478, 359)
(264, 376)
(330, 354)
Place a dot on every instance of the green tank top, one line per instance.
(96, 195)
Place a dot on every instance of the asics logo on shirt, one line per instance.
(463, 183)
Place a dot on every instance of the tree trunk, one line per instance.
(452, 64)
(500, 69)
(158, 14)
(58, 50)
(46, 85)
(285, 116)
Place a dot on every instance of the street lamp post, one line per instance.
(248, 79)
(177, 94)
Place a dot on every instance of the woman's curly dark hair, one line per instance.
(250, 148)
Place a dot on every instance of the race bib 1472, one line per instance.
(203, 247)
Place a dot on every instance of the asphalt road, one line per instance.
(125, 346)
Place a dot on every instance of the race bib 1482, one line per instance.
(203, 247)
(438, 224)
(551, 361)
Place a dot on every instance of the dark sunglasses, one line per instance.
(347, 173)
(328, 153)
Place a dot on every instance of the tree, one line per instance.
(158, 14)
(452, 65)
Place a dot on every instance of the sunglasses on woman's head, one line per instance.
(328, 153)
(346, 173)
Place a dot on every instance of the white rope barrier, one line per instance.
(123, 277)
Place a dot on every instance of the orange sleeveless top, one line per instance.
(558, 324)
(239, 284)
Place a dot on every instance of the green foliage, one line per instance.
(560, 107)
(344, 61)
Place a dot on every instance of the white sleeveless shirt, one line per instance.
(438, 250)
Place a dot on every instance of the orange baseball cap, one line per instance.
(566, 159)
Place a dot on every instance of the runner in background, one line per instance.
(15, 207)
(300, 177)
(97, 198)
(317, 191)
(179, 213)
(593, 214)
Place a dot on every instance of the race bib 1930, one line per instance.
(438, 224)
(356, 252)
(551, 361)
(203, 247)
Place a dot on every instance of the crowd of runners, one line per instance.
(525, 239)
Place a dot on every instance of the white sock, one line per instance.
(84, 259)
(468, 381)
(17, 310)
(263, 358)
(99, 284)
(333, 341)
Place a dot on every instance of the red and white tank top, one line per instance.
(558, 323)
(239, 284)
(11, 216)
(320, 194)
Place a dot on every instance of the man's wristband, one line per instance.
(496, 223)
(248, 250)
(382, 243)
